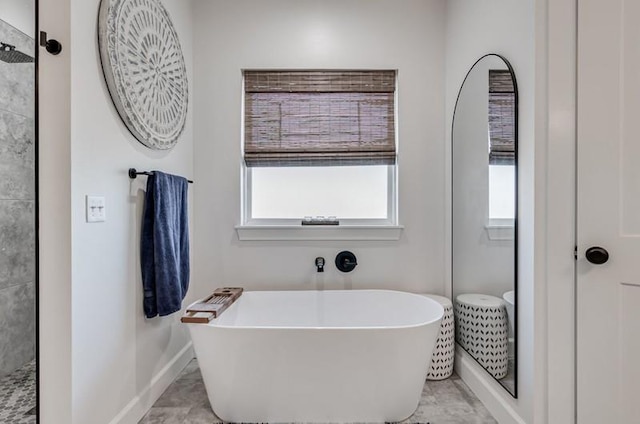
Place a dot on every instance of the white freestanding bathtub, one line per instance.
(318, 356)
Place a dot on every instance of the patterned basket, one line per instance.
(441, 365)
(482, 330)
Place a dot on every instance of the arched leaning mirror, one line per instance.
(484, 209)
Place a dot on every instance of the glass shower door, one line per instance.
(18, 288)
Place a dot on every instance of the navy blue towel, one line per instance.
(164, 244)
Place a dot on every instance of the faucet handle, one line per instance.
(346, 261)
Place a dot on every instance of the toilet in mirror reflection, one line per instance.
(484, 217)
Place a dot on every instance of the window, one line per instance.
(502, 146)
(502, 192)
(319, 143)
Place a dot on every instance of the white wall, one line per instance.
(475, 28)
(54, 233)
(556, 34)
(20, 14)
(378, 34)
(116, 353)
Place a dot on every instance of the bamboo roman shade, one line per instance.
(502, 118)
(319, 118)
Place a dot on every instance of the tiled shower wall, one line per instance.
(17, 201)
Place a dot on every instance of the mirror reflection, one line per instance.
(17, 212)
(484, 195)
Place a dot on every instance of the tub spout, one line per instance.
(320, 264)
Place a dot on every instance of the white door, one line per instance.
(608, 295)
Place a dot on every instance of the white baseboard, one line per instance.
(490, 393)
(140, 405)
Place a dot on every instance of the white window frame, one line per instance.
(392, 205)
(251, 229)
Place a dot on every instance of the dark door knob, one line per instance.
(597, 255)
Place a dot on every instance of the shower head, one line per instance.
(9, 54)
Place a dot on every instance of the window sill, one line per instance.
(500, 229)
(299, 232)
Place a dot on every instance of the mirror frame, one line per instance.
(515, 219)
(36, 164)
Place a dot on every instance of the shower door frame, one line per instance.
(36, 168)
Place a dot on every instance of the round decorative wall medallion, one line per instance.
(144, 68)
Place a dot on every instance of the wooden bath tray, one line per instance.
(212, 306)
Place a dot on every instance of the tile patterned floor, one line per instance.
(18, 396)
(443, 402)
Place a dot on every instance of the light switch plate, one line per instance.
(96, 209)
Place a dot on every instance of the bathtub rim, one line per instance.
(214, 324)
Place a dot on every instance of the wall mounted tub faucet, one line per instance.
(320, 264)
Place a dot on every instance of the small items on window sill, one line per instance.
(320, 220)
